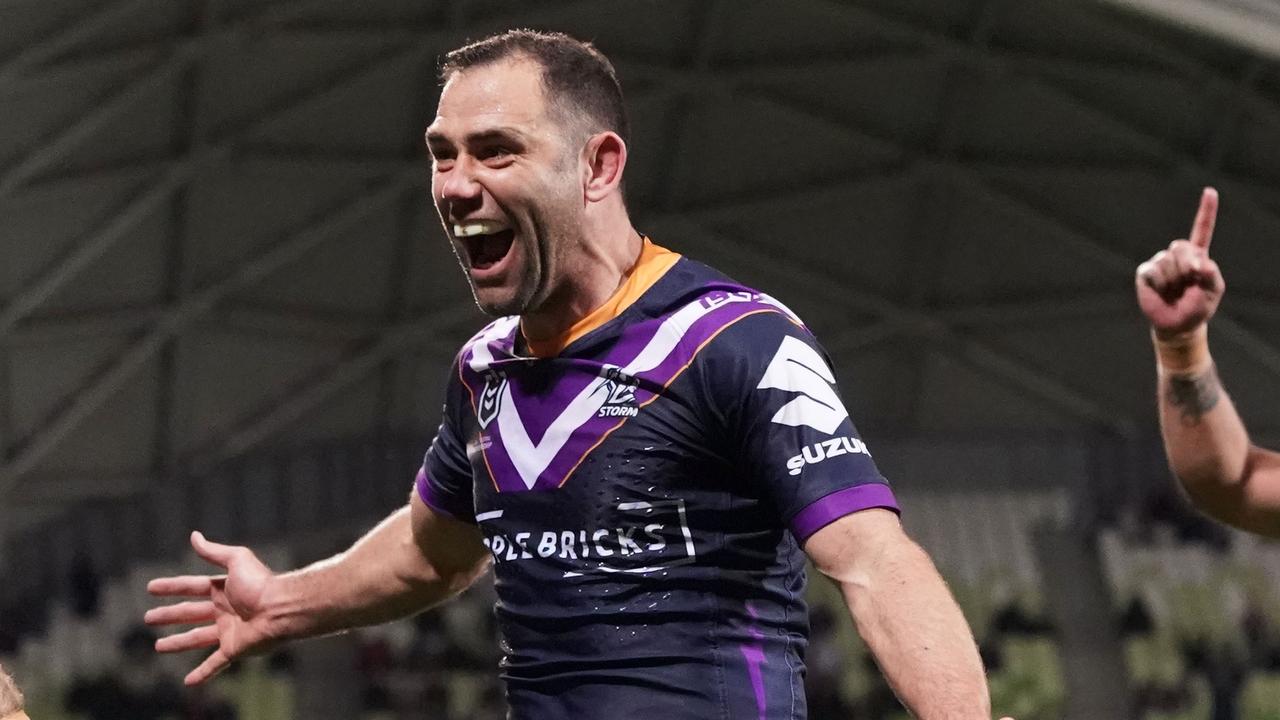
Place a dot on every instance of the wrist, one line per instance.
(1182, 353)
(283, 612)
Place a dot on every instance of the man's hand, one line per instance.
(1179, 288)
(230, 613)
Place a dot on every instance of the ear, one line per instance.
(606, 157)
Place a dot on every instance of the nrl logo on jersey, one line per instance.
(619, 389)
(490, 400)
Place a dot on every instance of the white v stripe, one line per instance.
(531, 459)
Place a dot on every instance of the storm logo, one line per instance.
(620, 394)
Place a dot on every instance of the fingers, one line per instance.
(212, 552)
(1206, 216)
(186, 613)
(1211, 277)
(203, 636)
(183, 586)
(1187, 259)
(1173, 270)
(195, 585)
(1156, 272)
(212, 665)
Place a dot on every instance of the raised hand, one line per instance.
(230, 612)
(1179, 288)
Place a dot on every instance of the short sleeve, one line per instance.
(783, 418)
(445, 482)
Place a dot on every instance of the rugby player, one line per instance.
(643, 449)
(10, 699)
(1208, 447)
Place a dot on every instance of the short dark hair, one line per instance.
(10, 696)
(575, 75)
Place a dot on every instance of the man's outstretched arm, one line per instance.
(1208, 447)
(11, 702)
(412, 560)
(905, 613)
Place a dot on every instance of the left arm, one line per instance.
(905, 613)
(773, 391)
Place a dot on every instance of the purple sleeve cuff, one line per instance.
(830, 508)
(433, 500)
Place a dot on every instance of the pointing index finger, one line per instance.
(1206, 216)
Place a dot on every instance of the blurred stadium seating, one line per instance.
(1198, 621)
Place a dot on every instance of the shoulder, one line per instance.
(754, 325)
(716, 317)
(696, 291)
(752, 340)
(493, 340)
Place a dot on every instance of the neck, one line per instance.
(594, 274)
(19, 715)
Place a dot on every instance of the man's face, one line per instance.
(505, 182)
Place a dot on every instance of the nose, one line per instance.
(457, 189)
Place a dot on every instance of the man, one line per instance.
(1209, 450)
(639, 445)
(10, 699)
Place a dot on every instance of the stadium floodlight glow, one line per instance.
(1251, 24)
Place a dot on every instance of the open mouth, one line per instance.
(486, 242)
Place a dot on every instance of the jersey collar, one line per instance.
(654, 262)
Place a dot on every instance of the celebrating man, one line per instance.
(1209, 450)
(642, 448)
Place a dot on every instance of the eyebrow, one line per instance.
(487, 135)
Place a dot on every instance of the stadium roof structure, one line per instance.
(216, 234)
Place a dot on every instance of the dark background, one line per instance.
(225, 303)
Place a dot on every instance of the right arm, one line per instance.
(412, 560)
(1208, 447)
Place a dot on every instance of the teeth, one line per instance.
(477, 227)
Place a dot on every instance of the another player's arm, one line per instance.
(1208, 447)
(410, 561)
(11, 702)
(905, 613)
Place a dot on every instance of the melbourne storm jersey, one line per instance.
(644, 485)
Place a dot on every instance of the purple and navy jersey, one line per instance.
(645, 494)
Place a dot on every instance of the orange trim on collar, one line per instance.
(654, 262)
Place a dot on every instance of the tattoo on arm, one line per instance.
(1194, 395)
